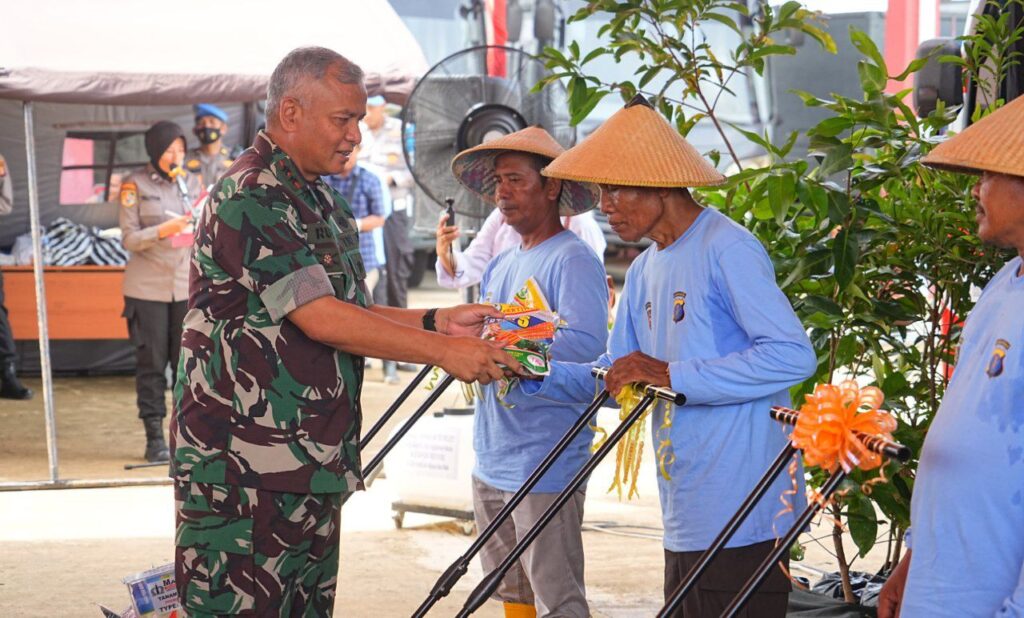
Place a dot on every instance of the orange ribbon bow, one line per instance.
(829, 418)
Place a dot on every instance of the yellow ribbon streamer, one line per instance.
(629, 450)
(435, 377)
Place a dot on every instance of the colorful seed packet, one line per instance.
(527, 330)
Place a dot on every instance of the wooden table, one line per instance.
(82, 302)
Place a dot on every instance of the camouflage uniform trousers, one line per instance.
(251, 552)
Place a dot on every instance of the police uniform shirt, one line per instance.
(382, 149)
(208, 167)
(967, 511)
(156, 269)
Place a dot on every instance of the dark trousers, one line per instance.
(7, 350)
(155, 330)
(393, 287)
(723, 578)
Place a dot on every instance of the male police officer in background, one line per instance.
(211, 158)
(10, 387)
(156, 208)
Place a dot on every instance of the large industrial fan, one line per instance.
(468, 98)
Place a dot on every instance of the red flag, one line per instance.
(497, 34)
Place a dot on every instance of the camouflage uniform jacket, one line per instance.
(257, 403)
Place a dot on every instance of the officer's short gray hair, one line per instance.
(307, 63)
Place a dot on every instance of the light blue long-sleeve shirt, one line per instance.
(511, 439)
(708, 305)
(968, 506)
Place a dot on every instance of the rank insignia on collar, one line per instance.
(995, 364)
(678, 306)
(129, 194)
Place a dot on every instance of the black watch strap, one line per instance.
(429, 322)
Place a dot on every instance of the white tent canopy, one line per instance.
(143, 53)
(113, 63)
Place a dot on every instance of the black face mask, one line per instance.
(207, 135)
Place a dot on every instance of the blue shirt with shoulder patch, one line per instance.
(708, 304)
(968, 506)
(511, 437)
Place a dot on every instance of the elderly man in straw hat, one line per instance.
(702, 314)
(512, 437)
(967, 513)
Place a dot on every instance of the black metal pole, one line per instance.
(490, 582)
(404, 429)
(727, 533)
(458, 568)
(783, 546)
(394, 407)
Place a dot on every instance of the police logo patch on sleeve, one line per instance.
(192, 165)
(129, 195)
(678, 306)
(3, 167)
(995, 364)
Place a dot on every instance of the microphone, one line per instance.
(178, 175)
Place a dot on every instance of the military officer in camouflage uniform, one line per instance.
(155, 210)
(211, 158)
(266, 427)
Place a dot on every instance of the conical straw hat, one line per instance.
(993, 144)
(636, 147)
(474, 168)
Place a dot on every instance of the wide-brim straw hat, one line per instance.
(993, 144)
(636, 147)
(474, 168)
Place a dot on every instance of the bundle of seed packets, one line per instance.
(527, 330)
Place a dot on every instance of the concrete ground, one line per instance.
(64, 551)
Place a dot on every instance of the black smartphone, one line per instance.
(450, 211)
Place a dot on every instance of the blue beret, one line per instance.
(209, 109)
(376, 100)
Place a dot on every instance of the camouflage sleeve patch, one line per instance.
(296, 289)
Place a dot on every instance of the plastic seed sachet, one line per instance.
(527, 330)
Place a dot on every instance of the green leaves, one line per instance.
(672, 40)
(838, 158)
(872, 77)
(845, 254)
(583, 98)
(781, 194)
(866, 46)
(863, 523)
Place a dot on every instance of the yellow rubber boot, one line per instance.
(519, 610)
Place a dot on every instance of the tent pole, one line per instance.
(37, 271)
